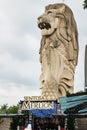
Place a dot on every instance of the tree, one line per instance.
(3, 109)
(12, 109)
(85, 4)
(17, 120)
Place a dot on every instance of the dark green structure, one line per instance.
(86, 68)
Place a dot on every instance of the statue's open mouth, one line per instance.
(44, 25)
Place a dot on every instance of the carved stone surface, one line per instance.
(58, 51)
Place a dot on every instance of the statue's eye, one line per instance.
(49, 12)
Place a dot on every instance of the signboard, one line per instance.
(38, 106)
(36, 102)
(34, 98)
(28, 105)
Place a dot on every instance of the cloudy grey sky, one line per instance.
(19, 47)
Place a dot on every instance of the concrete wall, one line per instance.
(5, 123)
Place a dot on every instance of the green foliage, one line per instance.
(16, 120)
(14, 123)
(70, 119)
(85, 4)
(3, 109)
(79, 92)
(67, 93)
(71, 123)
(12, 109)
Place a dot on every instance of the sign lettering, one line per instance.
(27, 105)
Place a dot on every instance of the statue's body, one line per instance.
(58, 51)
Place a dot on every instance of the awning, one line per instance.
(74, 104)
(44, 113)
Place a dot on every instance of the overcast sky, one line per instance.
(19, 47)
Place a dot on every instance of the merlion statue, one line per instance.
(58, 51)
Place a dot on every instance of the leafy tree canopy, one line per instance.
(85, 4)
(12, 109)
(4, 109)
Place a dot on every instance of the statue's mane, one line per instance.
(55, 6)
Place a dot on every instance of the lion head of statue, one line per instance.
(56, 16)
(49, 21)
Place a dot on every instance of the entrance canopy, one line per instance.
(43, 113)
(40, 108)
